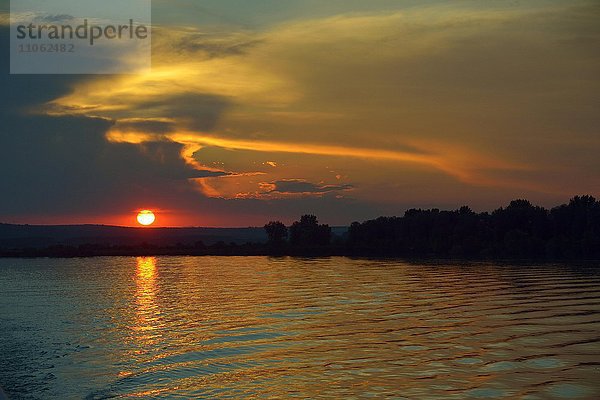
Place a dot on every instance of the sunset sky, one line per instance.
(348, 109)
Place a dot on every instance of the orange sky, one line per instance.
(345, 111)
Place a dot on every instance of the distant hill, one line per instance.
(41, 236)
(38, 236)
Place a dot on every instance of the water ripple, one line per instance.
(257, 327)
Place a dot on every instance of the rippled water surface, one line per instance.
(229, 327)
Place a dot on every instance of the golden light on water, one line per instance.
(147, 311)
(225, 325)
(146, 267)
(146, 217)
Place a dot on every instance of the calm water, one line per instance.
(257, 327)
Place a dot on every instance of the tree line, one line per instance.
(519, 231)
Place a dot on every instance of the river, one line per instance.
(259, 327)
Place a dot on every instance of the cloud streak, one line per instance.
(301, 186)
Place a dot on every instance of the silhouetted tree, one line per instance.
(277, 233)
(576, 229)
(308, 233)
(521, 230)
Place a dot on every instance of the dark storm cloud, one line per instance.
(65, 164)
(19, 92)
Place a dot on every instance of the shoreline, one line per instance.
(250, 251)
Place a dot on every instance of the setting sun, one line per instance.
(146, 217)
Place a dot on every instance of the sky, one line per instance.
(266, 110)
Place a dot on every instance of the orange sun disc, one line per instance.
(146, 217)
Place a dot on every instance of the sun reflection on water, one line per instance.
(146, 268)
(147, 310)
